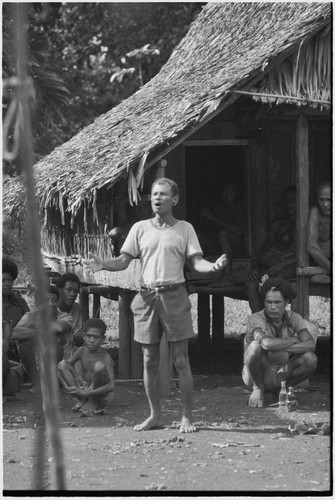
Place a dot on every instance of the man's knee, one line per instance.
(150, 363)
(254, 351)
(180, 361)
(310, 361)
(62, 365)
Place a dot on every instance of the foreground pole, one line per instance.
(47, 358)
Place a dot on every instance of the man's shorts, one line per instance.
(168, 311)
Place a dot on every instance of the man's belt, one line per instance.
(162, 288)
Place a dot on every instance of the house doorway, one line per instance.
(209, 171)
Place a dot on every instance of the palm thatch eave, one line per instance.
(229, 47)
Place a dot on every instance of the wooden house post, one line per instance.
(84, 303)
(302, 160)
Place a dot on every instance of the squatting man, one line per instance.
(278, 345)
(163, 244)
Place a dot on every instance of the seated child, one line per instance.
(89, 373)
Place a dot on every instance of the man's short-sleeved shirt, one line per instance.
(291, 325)
(30, 318)
(162, 251)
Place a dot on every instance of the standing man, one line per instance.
(277, 346)
(69, 286)
(163, 244)
(318, 239)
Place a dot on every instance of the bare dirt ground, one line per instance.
(236, 449)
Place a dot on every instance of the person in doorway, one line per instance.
(278, 256)
(163, 244)
(278, 345)
(69, 286)
(221, 230)
(318, 239)
(93, 384)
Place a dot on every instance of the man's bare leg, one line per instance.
(256, 375)
(152, 389)
(182, 365)
(298, 368)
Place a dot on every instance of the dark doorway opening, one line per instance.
(208, 170)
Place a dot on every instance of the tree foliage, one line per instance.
(85, 58)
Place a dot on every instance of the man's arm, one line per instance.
(26, 329)
(232, 228)
(313, 247)
(273, 344)
(116, 264)
(306, 343)
(204, 266)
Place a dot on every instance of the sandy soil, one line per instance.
(236, 449)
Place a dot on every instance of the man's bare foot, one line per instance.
(77, 406)
(256, 399)
(187, 426)
(89, 406)
(149, 423)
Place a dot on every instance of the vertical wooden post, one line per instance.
(96, 305)
(204, 336)
(217, 321)
(302, 163)
(124, 335)
(84, 304)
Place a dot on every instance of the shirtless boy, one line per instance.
(96, 365)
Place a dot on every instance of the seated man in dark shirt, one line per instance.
(13, 308)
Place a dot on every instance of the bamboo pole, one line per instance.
(47, 358)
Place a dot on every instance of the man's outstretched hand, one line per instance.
(220, 263)
(94, 263)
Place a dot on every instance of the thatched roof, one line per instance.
(229, 46)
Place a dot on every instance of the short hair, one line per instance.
(68, 277)
(277, 284)
(173, 185)
(9, 266)
(96, 323)
(54, 290)
(322, 186)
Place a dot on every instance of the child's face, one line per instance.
(93, 338)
